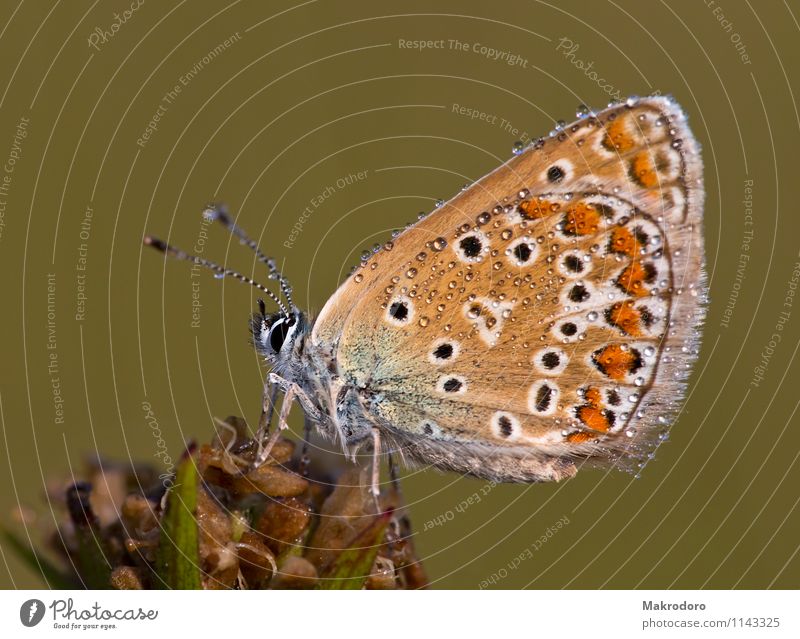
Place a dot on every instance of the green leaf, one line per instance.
(37, 563)
(354, 564)
(177, 559)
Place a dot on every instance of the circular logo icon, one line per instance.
(31, 612)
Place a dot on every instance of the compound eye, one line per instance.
(278, 332)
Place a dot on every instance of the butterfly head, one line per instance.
(280, 336)
(276, 336)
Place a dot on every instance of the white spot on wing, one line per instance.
(490, 319)
(505, 426)
(409, 306)
(442, 384)
(439, 361)
(541, 402)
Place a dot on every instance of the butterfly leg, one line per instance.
(286, 405)
(393, 477)
(268, 400)
(393, 473)
(304, 458)
(375, 484)
(298, 393)
(291, 392)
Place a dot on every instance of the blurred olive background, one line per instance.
(277, 104)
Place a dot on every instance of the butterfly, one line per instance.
(546, 317)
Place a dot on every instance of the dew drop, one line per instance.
(518, 147)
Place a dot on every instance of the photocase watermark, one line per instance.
(14, 154)
(81, 264)
(101, 36)
(476, 48)
(569, 49)
(167, 478)
(320, 199)
(727, 26)
(172, 94)
(526, 554)
(67, 616)
(53, 370)
(463, 505)
(31, 612)
(783, 318)
(744, 254)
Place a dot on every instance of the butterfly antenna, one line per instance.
(220, 271)
(219, 214)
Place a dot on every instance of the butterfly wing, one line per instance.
(548, 313)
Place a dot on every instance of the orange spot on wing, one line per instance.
(537, 209)
(581, 219)
(643, 171)
(633, 279)
(624, 316)
(624, 242)
(591, 414)
(580, 437)
(617, 137)
(594, 418)
(592, 396)
(615, 361)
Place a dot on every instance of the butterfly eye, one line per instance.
(279, 331)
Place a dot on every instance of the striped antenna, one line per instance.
(220, 271)
(220, 214)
